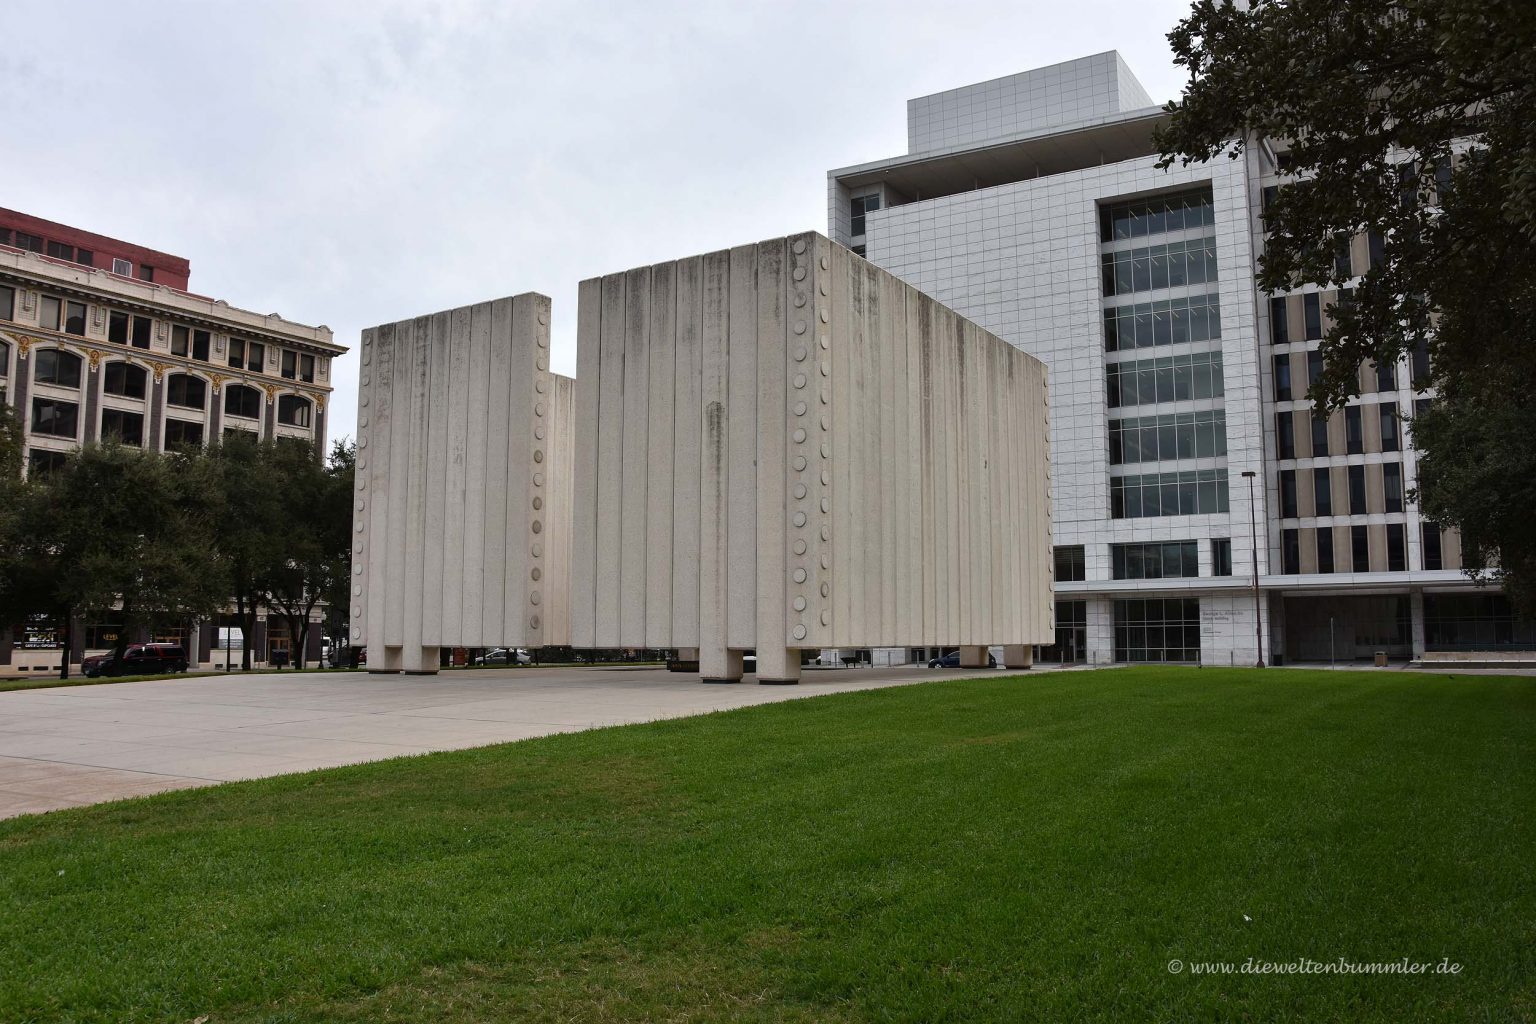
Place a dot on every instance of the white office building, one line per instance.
(1034, 205)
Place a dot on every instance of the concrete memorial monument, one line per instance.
(463, 486)
(781, 446)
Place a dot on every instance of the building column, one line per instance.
(384, 660)
(778, 665)
(1416, 621)
(91, 402)
(1101, 631)
(973, 656)
(719, 665)
(194, 644)
(1018, 655)
(154, 431)
(22, 381)
(318, 411)
(418, 661)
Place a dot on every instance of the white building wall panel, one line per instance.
(464, 485)
(839, 419)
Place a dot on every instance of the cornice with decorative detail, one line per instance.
(26, 337)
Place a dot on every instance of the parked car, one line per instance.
(138, 660)
(952, 660)
(505, 656)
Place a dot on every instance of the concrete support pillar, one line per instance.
(194, 646)
(1416, 620)
(719, 665)
(1019, 655)
(973, 657)
(384, 660)
(418, 661)
(778, 665)
(1101, 632)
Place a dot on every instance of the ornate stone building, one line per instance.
(89, 352)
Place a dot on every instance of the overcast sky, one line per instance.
(353, 162)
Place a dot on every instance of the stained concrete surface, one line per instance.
(72, 746)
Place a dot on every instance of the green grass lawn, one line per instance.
(989, 849)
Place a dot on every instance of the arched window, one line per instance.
(293, 410)
(240, 400)
(60, 369)
(124, 380)
(186, 391)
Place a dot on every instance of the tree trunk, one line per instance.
(247, 630)
(298, 658)
(69, 642)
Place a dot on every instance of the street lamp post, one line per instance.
(1253, 526)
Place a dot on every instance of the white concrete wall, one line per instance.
(461, 523)
(834, 459)
(1073, 90)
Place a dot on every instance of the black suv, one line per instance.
(138, 660)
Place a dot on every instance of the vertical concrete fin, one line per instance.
(635, 467)
(610, 462)
(368, 515)
(845, 289)
(588, 396)
(478, 400)
(498, 448)
(455, 490)
(771, 628)
(418, 385)
(891, 312)
(530, 473)
(811, 406)
(661, 445)
(399, 471)
(741, 445)
(687, 430)
(713, 455)
(435, 525)
(558, 528)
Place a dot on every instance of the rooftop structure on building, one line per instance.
(67, 245)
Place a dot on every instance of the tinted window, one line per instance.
(124, 379)
(60, 369)
(121, 425)
(54, 418)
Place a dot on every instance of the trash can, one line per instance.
(1381, 659)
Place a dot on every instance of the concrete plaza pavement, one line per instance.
(71, 746)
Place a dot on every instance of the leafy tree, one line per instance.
(337, 594)
(17, 591)
(316, 506)
(249, 541)
(121, 531)
(1409, 120)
